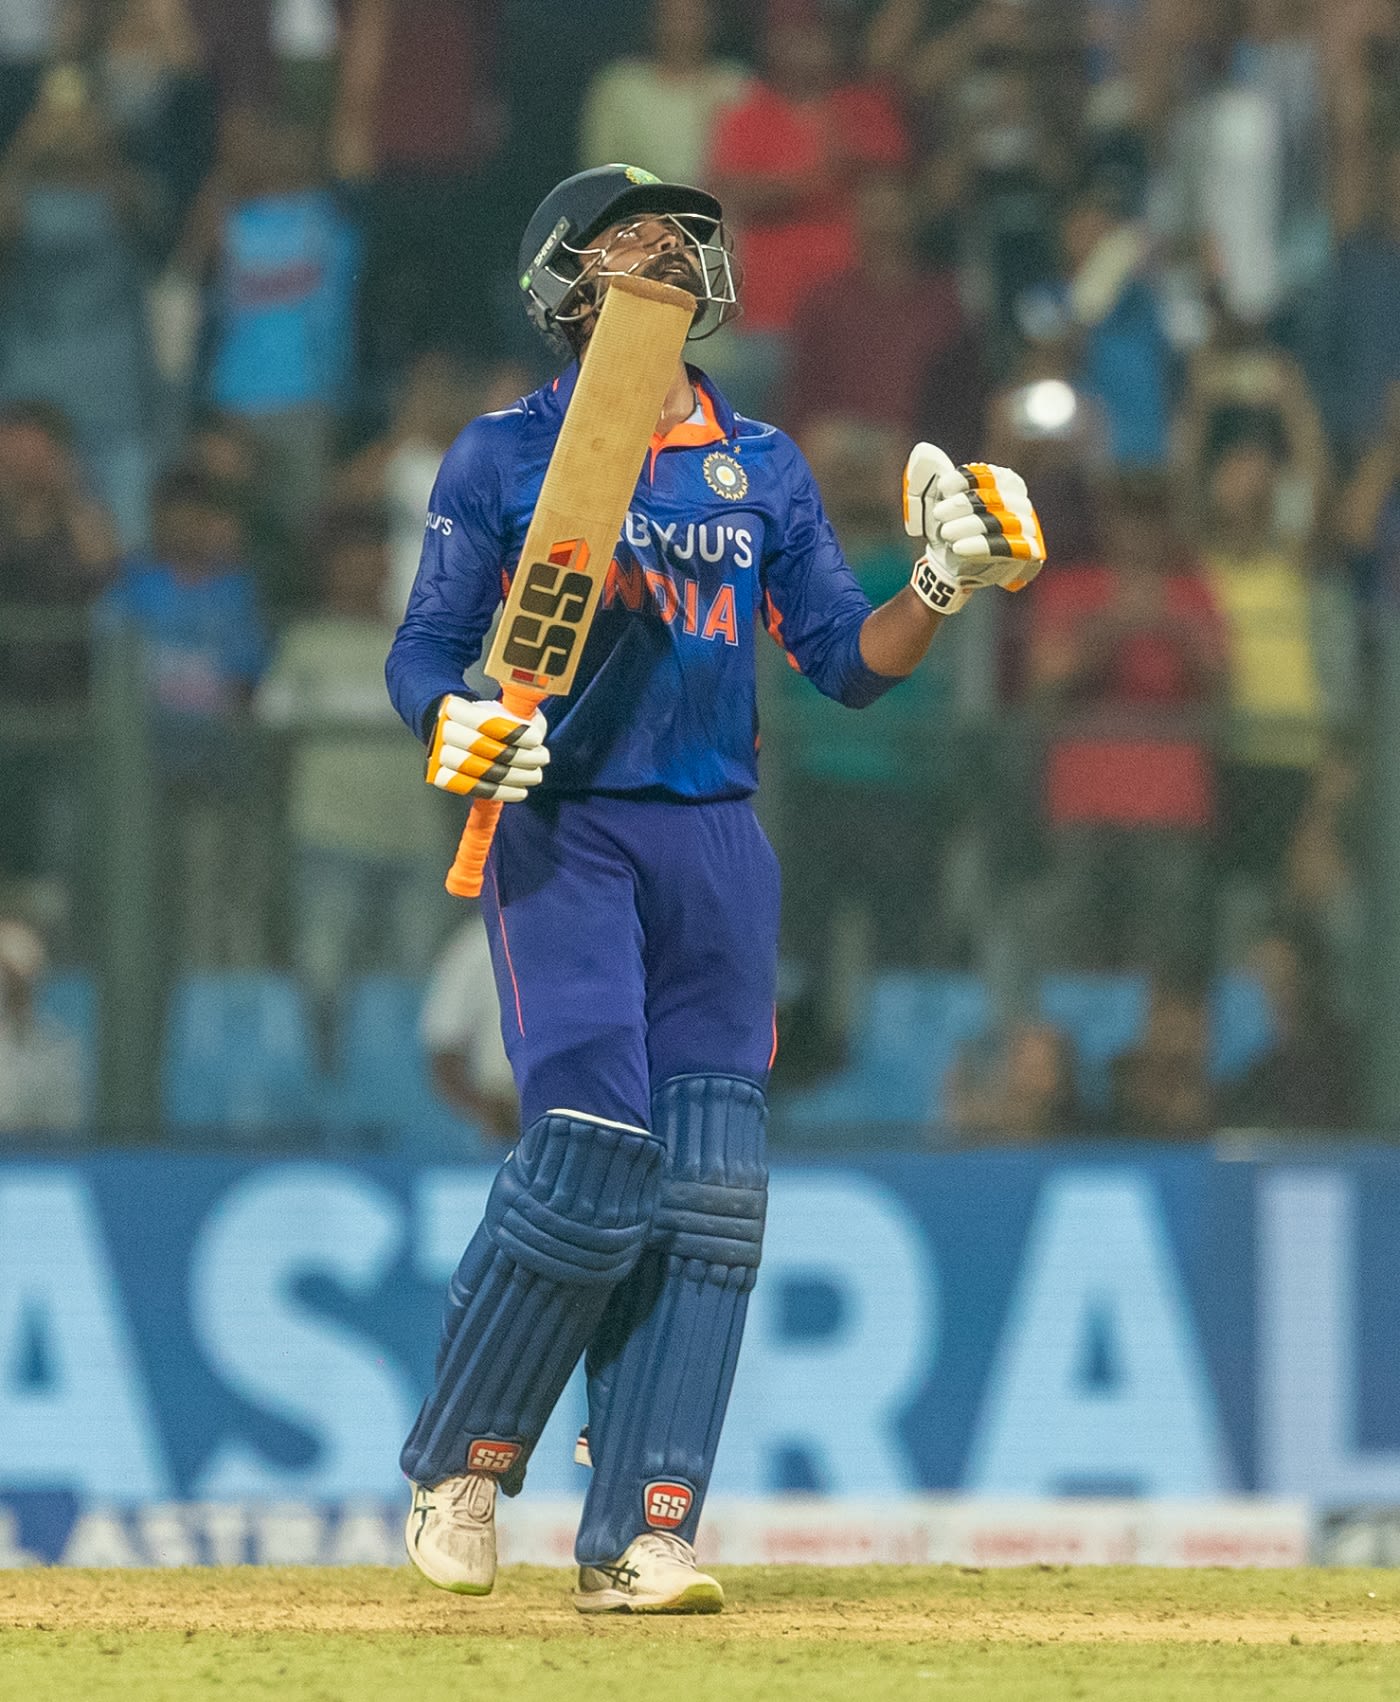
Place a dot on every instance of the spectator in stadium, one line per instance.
(1361, 42)
(1181, 44)
(1324, 898)
(1160, 1089)
(1308, 1079)
(155, 83)
(1355, 352)
(460, 1027)
(194, 602)
(40, 1060)
(1232, 172)
(57, 552)
(227, 452)
(270, 235)
(849, 776)
(1279, 63)
(1112, 315)
(925, 48)
(1241, 381)
(369, 838)
(1016, 1091)
(784, 161)
(1127, 654)
(887, 340)
(659, 110)
(75, 227)
(30, 33)
(417, 123)
(1366, 515)
(992, 90)
(395, 472)
(1259, 576)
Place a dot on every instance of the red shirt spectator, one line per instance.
(415, 85)
(888, 341)
(782, 161)
(1135, 649)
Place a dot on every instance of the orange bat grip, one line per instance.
(469, 865)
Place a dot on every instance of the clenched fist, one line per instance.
(978, 524)
(481, 750)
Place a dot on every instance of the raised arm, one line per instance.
(978, 528)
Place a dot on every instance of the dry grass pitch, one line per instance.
(859, 1635)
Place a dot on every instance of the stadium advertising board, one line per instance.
(233, 1347)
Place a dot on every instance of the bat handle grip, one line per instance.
(469, 865)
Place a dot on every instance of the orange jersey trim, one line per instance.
(774, 623)
(510, 963)
(689, 434)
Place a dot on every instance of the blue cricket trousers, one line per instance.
(635, 948)
(633, 940)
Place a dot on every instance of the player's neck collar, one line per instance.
(693, 433)
(716, 425)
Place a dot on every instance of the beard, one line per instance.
(675, 266)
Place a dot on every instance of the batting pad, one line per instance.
(567, 1218)
(662, 1363)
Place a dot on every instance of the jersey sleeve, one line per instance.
(814, 605)
(458, 585)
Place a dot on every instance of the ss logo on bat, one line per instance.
(543, 636)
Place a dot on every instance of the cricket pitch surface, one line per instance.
(1033, 1634)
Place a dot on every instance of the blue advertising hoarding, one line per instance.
(1092, 1321)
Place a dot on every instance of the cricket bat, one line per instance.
(592, 473)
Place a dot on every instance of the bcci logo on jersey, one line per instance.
(666, 1504)
(725, 476)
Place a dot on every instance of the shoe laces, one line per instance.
(464, 1495)
(664, 1546)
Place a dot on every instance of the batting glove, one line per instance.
(481, 750)
(978, 523)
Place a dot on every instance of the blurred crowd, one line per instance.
(256, 270)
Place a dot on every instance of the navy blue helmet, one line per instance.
(559, 269)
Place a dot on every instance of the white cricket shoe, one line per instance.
(657, 1574)
(451, 1533)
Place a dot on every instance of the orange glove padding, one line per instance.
(481, 750)
(978, 520)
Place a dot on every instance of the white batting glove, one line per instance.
(978, 524)
(481, 750)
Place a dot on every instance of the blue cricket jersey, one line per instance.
(725, 530)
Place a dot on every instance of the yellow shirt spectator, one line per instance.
(1276, 695)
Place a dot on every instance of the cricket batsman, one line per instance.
(632, 901)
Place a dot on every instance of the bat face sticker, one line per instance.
(554, 602)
